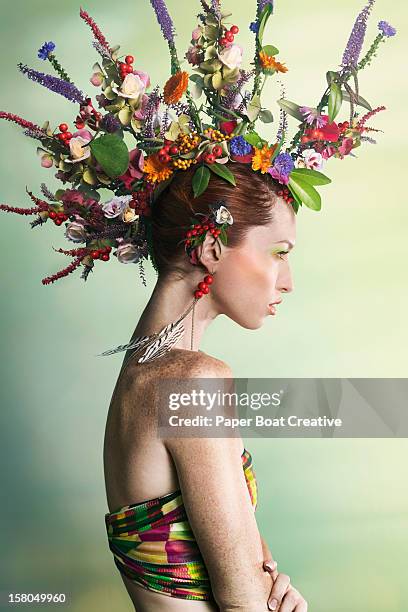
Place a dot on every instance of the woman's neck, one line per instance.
(170, 299)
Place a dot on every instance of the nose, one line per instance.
(284, 281)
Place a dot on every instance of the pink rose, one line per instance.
(231, 56)
(135, 168)
(346, 146)
(127, 253)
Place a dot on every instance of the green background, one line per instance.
(334, 512)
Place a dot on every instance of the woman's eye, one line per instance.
(281, 253)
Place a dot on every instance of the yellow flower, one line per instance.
(268, 62)
(155, 170)
(262, 158)
(175, 87)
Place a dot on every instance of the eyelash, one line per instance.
(282, 253)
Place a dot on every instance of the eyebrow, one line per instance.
(291, 245)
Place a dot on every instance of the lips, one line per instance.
(272, 307)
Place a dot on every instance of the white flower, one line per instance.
(223, 215)
(79, 149)
(132, 87)
(311, 160)
(115, 207)
(129, 215)
(231, 56)
(127, 253)
(75, 232)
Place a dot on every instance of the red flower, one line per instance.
(227, 127)
(329, 132)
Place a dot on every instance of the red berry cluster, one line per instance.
(126, 67)
(57, 217)
(167, 151)
(102, 253)
(199, 229)
(229, 36)
(203, 286)
(211, 158)
(285, 194)
(64, 136)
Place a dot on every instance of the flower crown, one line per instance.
(202, 120)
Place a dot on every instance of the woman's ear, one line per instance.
(208, 253)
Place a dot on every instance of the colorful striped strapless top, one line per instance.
(153, 544)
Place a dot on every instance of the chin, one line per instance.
(248, 323)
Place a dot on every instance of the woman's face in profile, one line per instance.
(255, 273)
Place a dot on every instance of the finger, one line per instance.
(302, 607)
(270, 565)
(290, 601)
(278, 590)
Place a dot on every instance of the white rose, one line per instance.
(127, 253)
(231, 56)
(129, 215)
(79, 149)
(132, 87)
(75, 232)
(223, 216)
(114, 207)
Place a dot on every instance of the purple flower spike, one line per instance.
(386, 29)
(68, 90)
(45, 50)
(263, 3)
(355, 43)
(164, 19)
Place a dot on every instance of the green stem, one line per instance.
(371, 52)
(58, 68)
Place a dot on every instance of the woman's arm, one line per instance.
(220, 512)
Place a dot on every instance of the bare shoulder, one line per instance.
(179, 363)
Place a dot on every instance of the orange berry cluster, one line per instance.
(183, 164)
(188, 142)
(216, 135)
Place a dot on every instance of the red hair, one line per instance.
(250, 203)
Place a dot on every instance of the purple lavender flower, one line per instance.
(215, 7)
(386, 29)
(312, 116)
(240, 147)
(45, 50)
(254, 27)
(355, 43)
(282, 167)
(68, 90)
(164, 19)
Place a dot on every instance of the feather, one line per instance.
(167, 338)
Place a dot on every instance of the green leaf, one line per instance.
(291, 108)
(305, 192)
(360, 101)
(311, 176)
(263, 20)
(254, 108)
(335, 100)
(254, 139)
(111, 153)
(266, 116)
(330, 76)
(200, 181)
(224, 237)
(223, 172)
(270, 50)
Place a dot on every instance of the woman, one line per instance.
(206, 474)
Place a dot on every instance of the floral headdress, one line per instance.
(203, 119)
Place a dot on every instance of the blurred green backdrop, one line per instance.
(333, 511)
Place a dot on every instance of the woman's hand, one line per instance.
(283, 597)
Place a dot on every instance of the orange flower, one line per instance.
(155, 170)
(262, 158)
(175, 87)
(268, 62)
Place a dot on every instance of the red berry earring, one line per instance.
(216, 223)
